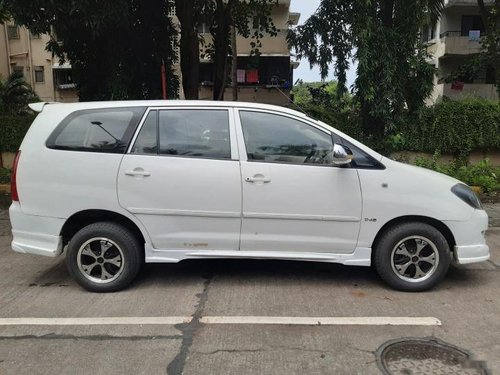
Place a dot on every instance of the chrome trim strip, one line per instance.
(256, 215)
(170, 212)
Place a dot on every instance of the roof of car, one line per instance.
(38, 107)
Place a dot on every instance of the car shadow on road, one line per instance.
(258, 270)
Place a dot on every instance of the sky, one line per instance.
(307, 8)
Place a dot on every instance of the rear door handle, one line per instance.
(138, 172)
(258, 178)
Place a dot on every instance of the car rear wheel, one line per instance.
(104, 257)
(412, 257)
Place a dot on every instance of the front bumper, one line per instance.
(33, 234)
(471, 254)
(470, 239)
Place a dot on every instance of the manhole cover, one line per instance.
(426, 356)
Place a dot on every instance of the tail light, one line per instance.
(13, 178)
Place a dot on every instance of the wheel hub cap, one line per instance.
(100, 260)
(414, 259)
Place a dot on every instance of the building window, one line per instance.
(471, 22)
(39, 74)
(13, 32)
(63, 79)
(18, 70)
(428, 33)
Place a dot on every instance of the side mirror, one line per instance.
(341, 155)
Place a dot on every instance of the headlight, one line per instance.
(466, 194)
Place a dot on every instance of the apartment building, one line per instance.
(267, 79)
(23, 52)
(452, 42)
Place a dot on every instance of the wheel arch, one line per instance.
(439, 225)
(86, 217)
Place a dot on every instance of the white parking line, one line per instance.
(157, 320)
(256, 320)
(337, 321)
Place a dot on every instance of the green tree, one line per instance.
(393, 73)
(16, 94)
(317, 93)
(115, 48)
(491, 41)
(4, 13)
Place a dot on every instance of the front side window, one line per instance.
(97, 130)
(200, 133)
(276, 138)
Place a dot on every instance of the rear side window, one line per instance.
(200, 133)
(97, 130)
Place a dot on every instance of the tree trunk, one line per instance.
(234, 67)
(189, 48)
(221, 46)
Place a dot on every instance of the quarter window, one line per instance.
(98, 130)
(276, 138)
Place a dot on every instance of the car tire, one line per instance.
(412, 257)
(104, 257)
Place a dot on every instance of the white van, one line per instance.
(116, 184)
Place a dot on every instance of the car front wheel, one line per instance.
(104, 257)
(412, 257)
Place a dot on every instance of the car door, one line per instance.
(181, 179)
(294, 199)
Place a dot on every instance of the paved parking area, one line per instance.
(188, 295)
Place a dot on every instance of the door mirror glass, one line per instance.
(341, 155)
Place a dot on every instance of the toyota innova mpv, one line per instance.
(116, 184)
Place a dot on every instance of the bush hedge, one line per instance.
(456, 127)
(12, 131)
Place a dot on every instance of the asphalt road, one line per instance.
(467, 304)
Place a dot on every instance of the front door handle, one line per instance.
(138, 172)
(258, 178)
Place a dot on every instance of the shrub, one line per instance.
(12, 130)
(481, 174)
(345, 121)
(456, 127)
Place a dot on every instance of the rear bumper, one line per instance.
(470, 238)
(37, 235)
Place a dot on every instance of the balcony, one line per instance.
(481, 90)
(451, 3)
(458, 44)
